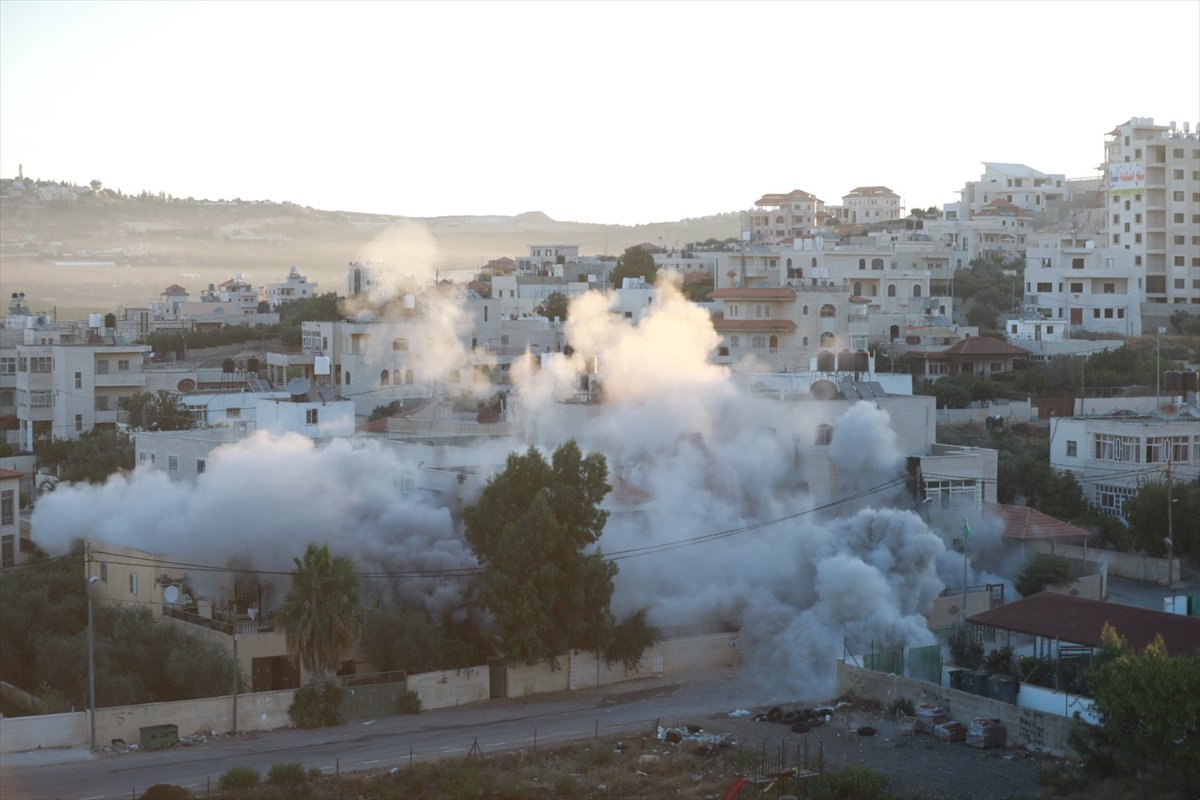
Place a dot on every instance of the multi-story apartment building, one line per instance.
(1152, 198)
(997, 230)
(776, 217)
(1073, 283)
(1045, 196)
(294, 287)
(1113, 456)
(11, 545)
(73, 378)
(868, 204)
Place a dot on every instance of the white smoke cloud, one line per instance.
(707, 457)
(262, 501)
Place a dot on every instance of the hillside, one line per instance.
(79, 248)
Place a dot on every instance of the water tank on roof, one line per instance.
(227, 365)
(321, 365)
(95, 321)
(845, 361)
(110, 321)
(252, 365)
(826, 361)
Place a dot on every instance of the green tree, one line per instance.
(318, 308)
(553, 307)
(1147, 512)
(529, 530)
(160, 411)
(636, 262)
(1044, 569)
(1149, 709)
(321, 615)
(93, 457)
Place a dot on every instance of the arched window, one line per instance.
(384, 377)
(891, 290)
(894, 332)
(874, 290)
(916, 290)
(735, 341)
(828, 310)
(862, 263)
(397, 378)
(773, 343)
(408, 376)
(347, 377)
(804, 311)
(824, 434)
(814, 263)
(876, 263)
(789, 263)
(858, 287)
(804, 342)
(779, 220)
(827, 339)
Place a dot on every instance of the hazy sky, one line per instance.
(615, 112)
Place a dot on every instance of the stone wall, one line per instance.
(452, 687)
(1031, 728)
(1139, 567)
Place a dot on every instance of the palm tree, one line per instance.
(321, 614)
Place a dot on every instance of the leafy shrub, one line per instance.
(966, 650)
(239, 778)
(565, 786)
(903, 705)
(307, 711)
(999, 662)
(409, 703)
(288, 773)
(1044, 569)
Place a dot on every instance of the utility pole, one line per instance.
(235, 674)
(89, 579)
(1157, 366)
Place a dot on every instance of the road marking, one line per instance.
(372, 761)
(95, 797)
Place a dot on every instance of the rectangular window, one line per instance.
(8, 553)
(101, 402)
(1045, 287)
(78, 380)
(1076, 288)
(143, 457)
(1072, 448)
(199, 466)
(8, 507)
(79, 423)
(310, 416)
(1177, 174)
(8, 366)
(104, 572)
(233, 413)
(1112, 447)
(101, 366)
(41, 364)
(173, 463)
(123, 365)
(133, 583)
(1177, 218)
(41, 399)
(1111, 499)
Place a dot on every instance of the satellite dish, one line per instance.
(186, 385)
(298, 387)
(171, 594)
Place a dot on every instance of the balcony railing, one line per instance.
(243, 626)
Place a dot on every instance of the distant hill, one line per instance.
(154, 240)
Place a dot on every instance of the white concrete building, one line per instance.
(1112, 456)
(1045, 196)
(776, 217)
(73, 378)
(294, 287)
(10, 520)
(1152, 197)
(868, 204)
(1072, 282)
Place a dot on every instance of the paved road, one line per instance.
(388, 741)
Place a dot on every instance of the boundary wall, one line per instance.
(1163, 571)
(1032, 728)
(259, 711)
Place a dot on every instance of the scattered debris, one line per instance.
(740, 712)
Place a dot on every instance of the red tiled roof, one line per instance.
(984, 346)
(1024, 523)
(9, 473)
(1080, 621)
(857, 298)
(722, 324)
(175, 288)
(754, 293)
(627, 493)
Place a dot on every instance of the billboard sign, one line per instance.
(1128, 178)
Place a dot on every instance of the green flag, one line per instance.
(966, 528)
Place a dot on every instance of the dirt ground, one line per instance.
(914, 764)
